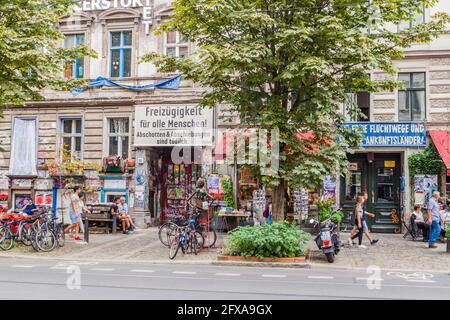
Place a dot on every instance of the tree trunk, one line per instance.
(279, 202)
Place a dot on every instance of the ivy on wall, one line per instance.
(427, 161)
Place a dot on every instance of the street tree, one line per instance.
(31, 58)
(289, 64)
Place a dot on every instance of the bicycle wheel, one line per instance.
(24, 234)
(174, 247)
(166, 232)
(60, 235)
(210, 236)
(46, 240)
(33, 233)
(6, 239)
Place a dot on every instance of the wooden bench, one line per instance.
(100, 213)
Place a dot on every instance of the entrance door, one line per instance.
(381, 179)
(384, 192)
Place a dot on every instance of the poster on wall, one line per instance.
(424, 185)
(21, 200)
(214, 185)
(44, 198)
(329, 187)
(4, 184)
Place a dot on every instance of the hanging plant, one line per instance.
(427, 161)
(227, 190)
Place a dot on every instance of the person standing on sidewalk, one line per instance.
(75, 213)
(364, 213)
(434, 219)
(358, 221)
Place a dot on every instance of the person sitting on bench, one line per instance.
(123, 212)
(115, 213)
(417, 222)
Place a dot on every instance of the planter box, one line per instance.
(448, 245)
(256, 259)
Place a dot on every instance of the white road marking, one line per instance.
(142, 271)
(184, 272)
(273, 276)
(21, 266)
(365, 279)
(228, 274)
(102, 269)
(321, 277)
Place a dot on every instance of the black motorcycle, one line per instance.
(328, 239)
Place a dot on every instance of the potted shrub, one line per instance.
(277, 242)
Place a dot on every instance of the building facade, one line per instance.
(112, 126)
(399, 124)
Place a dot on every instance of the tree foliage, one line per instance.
(288, 64)
(30, 56)
(428, 161)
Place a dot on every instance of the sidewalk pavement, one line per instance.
(391, 252)
(143, 246)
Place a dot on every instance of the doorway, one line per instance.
(380, 175)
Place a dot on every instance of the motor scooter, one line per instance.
(328, 239)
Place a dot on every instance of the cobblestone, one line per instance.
(391, 252)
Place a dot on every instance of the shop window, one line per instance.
(74, 68)
(71, 136)
(418, 18)
(119, 137)
(411, 100)
(110, 196)
(24, 147)
(176, 45)
(121, 45)
(360, 99)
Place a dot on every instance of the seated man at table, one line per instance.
(417, 222)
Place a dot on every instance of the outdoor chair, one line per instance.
(415, 236)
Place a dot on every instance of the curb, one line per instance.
(262, 264)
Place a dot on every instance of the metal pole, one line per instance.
(86, 230)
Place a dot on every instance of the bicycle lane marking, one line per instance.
(413, 277)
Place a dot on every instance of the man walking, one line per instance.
(434, 218)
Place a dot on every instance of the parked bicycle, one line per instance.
(169, 229)
(41, 231)
(187, 238)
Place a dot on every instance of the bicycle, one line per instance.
(186, 238)
(168, 229)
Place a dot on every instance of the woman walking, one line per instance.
(359, 220)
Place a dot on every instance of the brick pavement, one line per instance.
(392, 252)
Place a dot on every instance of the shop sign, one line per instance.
(389, 164)
(115, 184)
(391, 134)
(4, 184)
(43, 184)
(147, 15)
(173, 125)
(21, 183)
(353, 166)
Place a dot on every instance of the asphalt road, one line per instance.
(60, 279)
